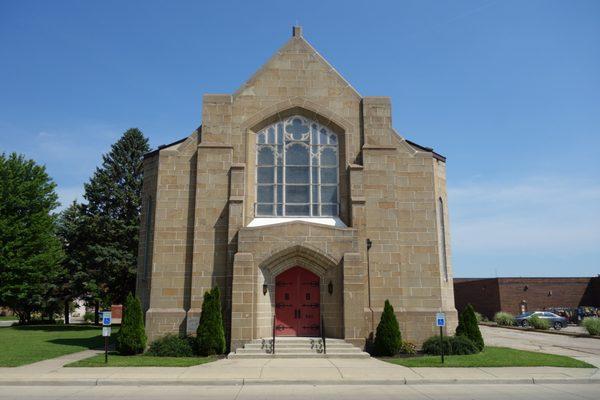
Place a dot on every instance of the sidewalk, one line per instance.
(283, 371)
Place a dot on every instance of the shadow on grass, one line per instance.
(56, 328)
(95, 342)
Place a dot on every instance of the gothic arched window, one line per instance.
(296, 169)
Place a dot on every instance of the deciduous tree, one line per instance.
(30, 252)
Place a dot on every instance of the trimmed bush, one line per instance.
(433, 345)
(453, 345)
(504, 319)
(408, 348)
(539, 323)
(131, 338)
(172, 346)
(211, 332)
(479, 317)
(388, 339)
(467, 326)
(592, 325)
(463, 345)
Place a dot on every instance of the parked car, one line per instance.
(556, 321)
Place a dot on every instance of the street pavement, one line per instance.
(334, 392)
(317, 371)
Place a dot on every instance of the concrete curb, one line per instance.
(313, 382)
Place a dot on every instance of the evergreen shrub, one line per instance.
(433, 345)
(467, 326)
(463, 345)
(388, 339)
(131, 338)
(211, 332)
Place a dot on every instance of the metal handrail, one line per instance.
(273, 344)
(323, 336)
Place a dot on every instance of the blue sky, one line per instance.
(508, 90)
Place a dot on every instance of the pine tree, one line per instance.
(30, 253)
(131, 338)
(467, 326)
(211, 332)
(388, 339)
(79, 281)
(112, 211)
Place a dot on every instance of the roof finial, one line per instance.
(296, 31)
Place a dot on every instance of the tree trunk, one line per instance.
(96, 312)
(67, 311)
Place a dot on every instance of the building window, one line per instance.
(296, 169)
(442, 238)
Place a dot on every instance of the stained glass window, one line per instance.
(297, 169)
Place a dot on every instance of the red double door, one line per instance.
(297, 303)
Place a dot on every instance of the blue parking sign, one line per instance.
(440, 319)
(106, 318)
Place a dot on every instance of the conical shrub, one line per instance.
(388, 339)
(467, 326)
(211, 332)
(132, 336)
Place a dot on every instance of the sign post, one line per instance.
(440, 320)
(106, 322)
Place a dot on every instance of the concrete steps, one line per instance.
(298, 347)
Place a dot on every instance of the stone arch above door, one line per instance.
(305, 256)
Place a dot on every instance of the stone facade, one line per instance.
(199, 196)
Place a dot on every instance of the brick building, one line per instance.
(274, 199)
(515, 295)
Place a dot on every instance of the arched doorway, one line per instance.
(297, 303)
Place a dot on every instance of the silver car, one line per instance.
(556, 321)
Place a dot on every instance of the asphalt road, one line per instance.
(578, 347)
(338, 392)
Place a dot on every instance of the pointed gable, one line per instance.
(293, 70)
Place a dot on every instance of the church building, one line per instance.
(299, 200)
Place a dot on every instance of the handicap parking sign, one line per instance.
(106, 318)
(440, 319)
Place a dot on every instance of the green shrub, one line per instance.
(592, 325)
(478, 317)
(408, 348)
(388, 338)
(211, 332)
(462, 345)
(453, 345)
(88, 316)
(433, 345)
(131, 338)
(171, 346)
(467, 326)
(539, 323)
(504, 319)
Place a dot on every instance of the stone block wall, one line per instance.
(205, 194)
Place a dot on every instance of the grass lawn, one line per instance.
(9, 318)
(115, 360)
(493, 357)
(22, 345)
